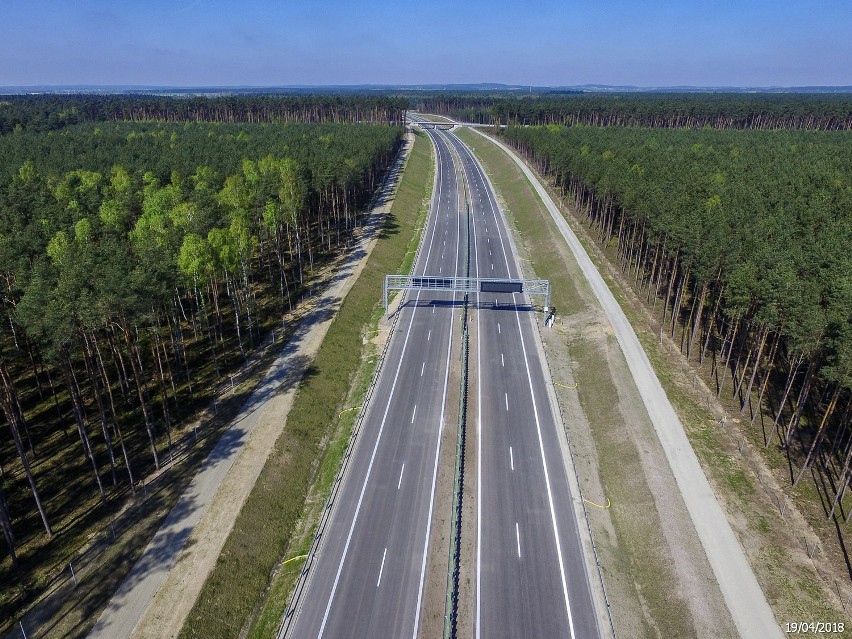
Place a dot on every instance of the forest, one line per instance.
(141, 264)
(739, 242)
(820, 112)
(51, 112)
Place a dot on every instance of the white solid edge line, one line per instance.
(743, 594)
(478, 451)
(537, 423)
(382, 426)
(437, 453)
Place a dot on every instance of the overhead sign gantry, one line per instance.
(465, 285)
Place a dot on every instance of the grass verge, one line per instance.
(307, 454)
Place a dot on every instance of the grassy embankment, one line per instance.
(789, 589)
(280, 514)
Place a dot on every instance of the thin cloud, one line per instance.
(191, 5)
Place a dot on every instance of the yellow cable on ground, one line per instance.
(564, 386)
(294, 559)
(608, 503)
(346, 410)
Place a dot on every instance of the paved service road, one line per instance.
(531, 579)
(367, 577)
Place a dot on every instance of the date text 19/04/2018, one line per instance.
(813, 627)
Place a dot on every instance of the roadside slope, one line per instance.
(175, 598)
(263, 533)
(157, 595)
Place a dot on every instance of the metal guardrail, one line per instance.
(316, 543)
(454, 556)
(454, 561)
(296, 598)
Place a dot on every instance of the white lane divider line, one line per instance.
(492, 267)
(511, 458)
(429, 336)
(414, 412)
(502, 362)
(507, 400)
(498, 327)
(401, 470)
(440, 269)
(422, 368)
(517, 534)
(383, 564)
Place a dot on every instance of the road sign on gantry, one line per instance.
(465, 285)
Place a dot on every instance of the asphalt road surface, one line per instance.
(745, 599)
(531, 578)
(368, 576)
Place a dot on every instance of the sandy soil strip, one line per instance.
(743, 595)
(159, 592)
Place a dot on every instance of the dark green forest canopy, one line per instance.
(715, 110)
(93, 199)
(766, 213)
(141, 262)
(51, 112)
(162, 148)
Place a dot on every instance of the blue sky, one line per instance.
(213, 42)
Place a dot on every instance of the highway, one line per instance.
(367, 578)
(531, 578)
